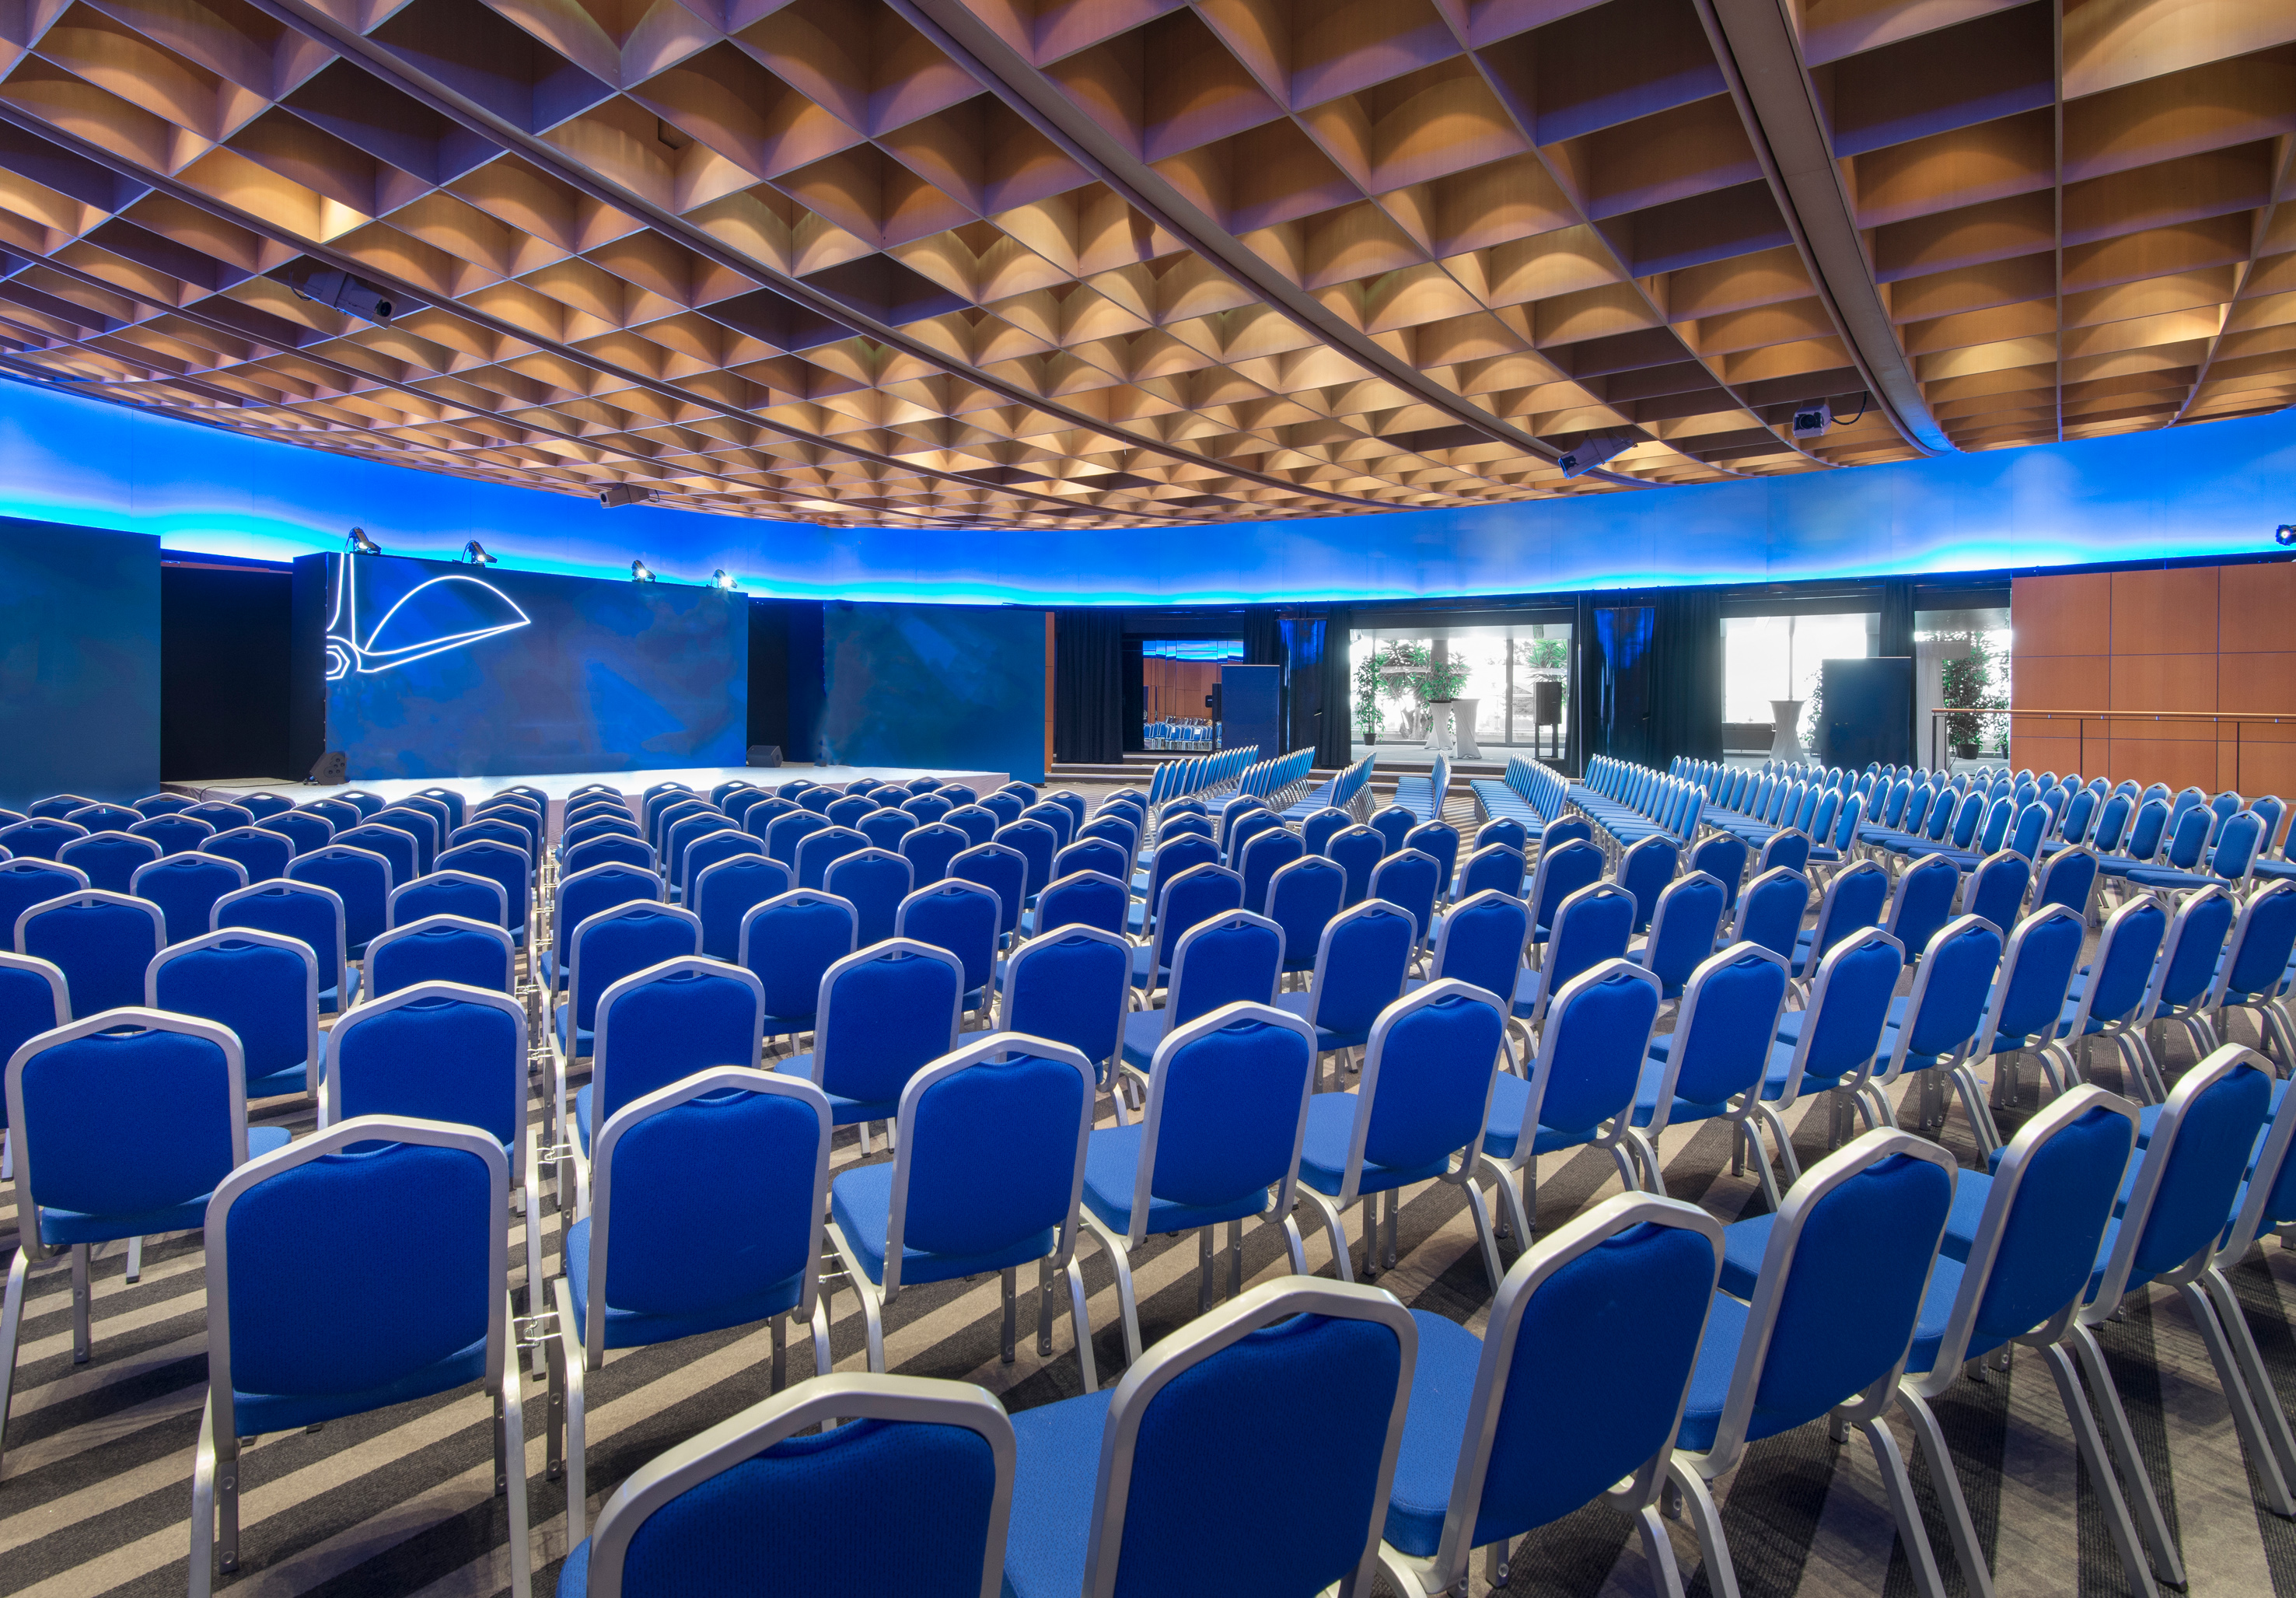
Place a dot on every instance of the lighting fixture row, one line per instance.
(474, 554)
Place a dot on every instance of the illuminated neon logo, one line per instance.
(444, 614)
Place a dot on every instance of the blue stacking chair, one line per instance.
(112, 818)
(1594, 924)
(1072, 985)
(101, 941)
(323, 1303)
(874, 882)
(930, 848)
(1004, 871)
(450, 892)
(440, 1050)
(1089, 899)
(1682, 930)
(428, 824)
(667, 817)
(656, 1026)
(1226, 1105)
(725, 843)
(1264, 854)
(1418, 1116)
(1357, 851)
(185, 888)
(1091, 854)
(584, 895)
(1302, 897)
(262, 855)
(1238, 957)
(1391, 824)
(680, 836)
(109, 859)
(1724, 857)
(398, 849)
(1835, 1037)
(32, 1000)
(1853, 899)
(1411, 881)
(24, 883)
(627, 848)
(1234, 840)
(758, 820)
(754, 1494)
(2266, 1202)
(1711, 1066)
(302, 910)
(1921, 903)
(1562, 870)
(499, 827)
(605, 948)
(173, 1124)
(440, 948)
(2032, 1238)
(960, 917)
(1580, 1089)
(458, 807)
(1360, 967)
(1190, 898)
(39, 839)
(987, 1174)
(175, 834)
(847, 811)
(1005, 806)
(928, 807)
(1480, 942)
(57, 806)
(2021, 1010)
(2184, 974)
(1315, 831)
(1036, 843)
(2110, 991)
(785, 832)
(885, 829)
(1788, 849)
(1644, 869)
(1818, 1306)
(1495, 1447)
(1495, 866)
(884, 1014)
(2067, 877)
(1933, 1028)
(1439, 841)
(726, 890)
(602, 823)
(1121, 828)
(150, 804)
(1997, 888)
(790, 941)
(263, 804)
(2252, 975)
(1059, 818)
(1185, 853)
(705, 1215)
(978, 823)
(360, 878)
(1291, 1372)
(261, 985)
(419, 827)
(818, 850)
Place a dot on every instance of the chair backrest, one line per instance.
(450, 892)
(613, 943)
(1724, 857)
(1853, 899)
(1923, 900)
(360, 878)
(600, 888)
(848, 810)
(1288, 1370)
(1789, 850)
(1594, 924)
(185, 888)
(2197, 938)
(1591, 1049)
(930, 846)
(1227, 1108)
(441, 948)
(1482, 941)
(2263, 940)
(1084, 897)
(724, 890)
(1682, 929)
(1060, 818)
(1093, 854)
(2182, 1195)
(101, 941)
(956, 915)
(1563, 869)
(429, 1305)
(1360, 966)
(1391, 824)
(2120, 974)
(57, 806)
(2037, 970)
(1001, 869)
(500, 863)
(874, 882)
(1230, 958)
(1189, 898)
(436, 1050)
(261, 854)
(264, 985)
(2145, 832)
(1722, 1035)
(110, 859)
(2239, 842)
(175, 834)
(1316, 829)
(299, 910)
(1121, 828)
(1264, 854)
(39, 839)
(699, 854)
(2066, 878)
(1495, 865)
(1848, 1004)
(978, 823)
(1997, 888)
(670, 1020)
(885, 1011)
(706, 1204)
(786, 831)
(1411, 881)
(1071, 986)
(755, 1491)
(1426, 1088)
(927, 806)
(1358, 850)
(790, 941)
(823, 847)
(885, 829)
(1951, 986)
(394, 835)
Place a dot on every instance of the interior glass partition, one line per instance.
(1511, 679)
(1775, 657)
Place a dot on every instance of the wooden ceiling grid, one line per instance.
(1137, 262)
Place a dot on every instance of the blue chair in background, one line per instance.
(1480, 942)
(109, 859)
(2107, 993)
(1234, 841)
(1357, 851)
(1495, 1446)
(185, 888)
(1072, 985)
(1724, 857)
(885, 829)
(1562, 870)
(1411, 881)
(173, 1126)
(401, 851)
(32, 1000)
(360, 878)
(874, 882)
(504, 865)
(1594, 924)
(1036, 843)
(1081, 898)
(24, 883)
(1004, 871)
(585, 894)
(1853, 899)
(1264, 854)
(1226, 1106)
(705, 1214)
(627, 848)
(1185, 853)
(1238, 957)
(262, 806)
(722, 892)
(1091, 854)
(1315, 831)
(1711, 1066)
(978, 823)
(790, 941)
(1302, 897)
(1006, 807)
(458, 807)
(680, 837)
(261, 985)
(1818, 1306)
(1360, 967)
(605, 948)
(108, 818)
(2021, 1012)
(311, 1239)
(262, 855)
(1289, 1371)
(175, 834)
(785, 832)
(303, 827)
(927, 807)
(419, 827)
(101, 941)
(987, 1172)
(2181, 977)
(823, 847)
(2253, 974)
(884, 1014)
(1417, 1116)
(1682, 929)
(754, 1493)
(960, 917)
(450, 892)
(39, 839)
(1060, 818)
(1835, 1037)
(1997, 888)
(440, 948)
(1391, 824)
(758, 820)
(847, 811)
(1930, 1032)
(1921, 903)
(1644, 869)
(150, 804)
(299, 910)
(1190, 898)
(929, 848)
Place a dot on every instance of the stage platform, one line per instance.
(702, 778)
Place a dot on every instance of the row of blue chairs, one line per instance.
(1279, 780)
(1346, 791)
(1205, 775)
(1172, 733)
(1529, 792)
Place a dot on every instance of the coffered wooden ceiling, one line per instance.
(1131, 262)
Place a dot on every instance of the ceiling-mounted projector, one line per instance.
(1812, 420)
(1593, 451)
(343, 292)
(624, 493)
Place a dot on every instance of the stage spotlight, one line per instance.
(359, 544)
(722, 579)
(2284, 534)
(475, 553)
(639, 573)
(624, 493)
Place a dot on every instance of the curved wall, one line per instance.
(2216, 489)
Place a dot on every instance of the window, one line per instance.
(1517, 675)
(1961, 658)
(1767, 658)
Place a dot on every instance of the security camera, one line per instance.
(339, 290)
(1593, 451)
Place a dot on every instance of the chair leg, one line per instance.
(203, 1507)
(1044, 1308)
(2259, 1380)
(227, 1501)
(822, 1362)
(779, 1377)
(1490, 1245)
(872, 1321)
(2261, 1456)
(1005, 1351)
(1658, 1550)
(1706, 1519)
(1646, 1153)
(1236, 1258)
(1975, 1573)
(1902, 1503)
(2091, 1445)
(1974, 1105)
(134, 1258)
(2144, 1505)
(1080, 1322)
(1294, 1247)
(538, 1295)
(81, 1348)
(514, 1446)
(12, 1324)
(1205, 1245)
(1335, 1230)
(1126, 1305)
(1777, 1126)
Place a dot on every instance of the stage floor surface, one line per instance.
(702, 778)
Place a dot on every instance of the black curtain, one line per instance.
(1333, 728)
(1263, 636)
(224, 682)
(1685, 675)
(1088, 686)
(1898, 639)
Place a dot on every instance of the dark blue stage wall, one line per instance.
(79, 662)
(441, 670)
(955, 687)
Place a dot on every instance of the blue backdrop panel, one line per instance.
(441, 670)
(957, 687)
(79, 662)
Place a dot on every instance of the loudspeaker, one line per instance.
(765, 754)
(333, 769)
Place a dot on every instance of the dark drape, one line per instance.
(1685, 675)
(1303, 679)
(225, 679)
(1898, 639)
(1263, 636)
(1333, 728)
(1650, 674)
(1088, 686)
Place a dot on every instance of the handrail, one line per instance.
(2079, 717)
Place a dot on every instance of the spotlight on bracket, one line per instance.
(624, 493)
(341, 291)
(1593, 451)
(359, 544)
(2284, 534)
(639, 572)
(475, 553)
(722, 579)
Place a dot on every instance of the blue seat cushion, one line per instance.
(1683, 1110)
(60, 1227)
(1143, 1029)
(1326, 1040)
(843, 1112)
(861, 1203)
(1056, 1467)
(639, 1328)
(1710, 1378)
(783, 1026)
(584, 1039)
(1323, 1150)
(1112, 1166)
(1502, 1132)
(1442, 1386)
(289, 1078)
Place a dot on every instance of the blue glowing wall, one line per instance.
(958, 687)
(80, 663)
(2213, 490)
(440, 670)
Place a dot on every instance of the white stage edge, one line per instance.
(702, 778)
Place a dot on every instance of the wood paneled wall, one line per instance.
(1176, 687)
(2213, 638)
